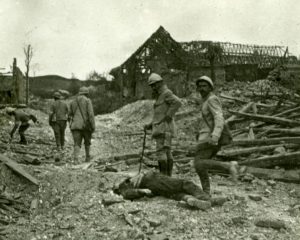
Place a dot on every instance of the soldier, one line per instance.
(153, 183)
(58, 119)
(213, 134)
(82, 123)
(163, 126)
(21, 122)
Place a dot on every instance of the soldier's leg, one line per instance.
(63, 125)
(77, 138)
(161, 155)
(87, 145)
(193, 189)
(170, 160)
(202, 161)
(55, 128)
(22, 130)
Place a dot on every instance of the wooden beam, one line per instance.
(18, 169)
(245, 151)
(270, 141)
(291, 159)
(244, 109)
(268, 119)
(291, 176)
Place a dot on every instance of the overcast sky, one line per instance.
(76, 36)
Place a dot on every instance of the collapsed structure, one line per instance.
(12, 86)
(180, 62)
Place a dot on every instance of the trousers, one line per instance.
(59, 128)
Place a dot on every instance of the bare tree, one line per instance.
(28, 56)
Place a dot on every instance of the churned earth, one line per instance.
(77, 201)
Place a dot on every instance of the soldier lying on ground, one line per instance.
(155, 184)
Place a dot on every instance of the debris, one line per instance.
(17, 168)
(255, 197)
(271, 223)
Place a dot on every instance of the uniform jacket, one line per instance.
(21, 117)
(59, 111)
(77, 122)
(166, 104)
(212, 122)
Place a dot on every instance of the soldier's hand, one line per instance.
(147, 192)
(147, 126)
(213, 141)
(168, 118)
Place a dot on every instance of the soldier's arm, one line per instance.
(174, 104)
(215, 108)
(132, 194)
(91, 114)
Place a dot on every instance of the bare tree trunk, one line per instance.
(28, 56)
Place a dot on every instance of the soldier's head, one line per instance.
(204, 85)
(56, 96)
(10, 111)
(155, 81)
(84, 91)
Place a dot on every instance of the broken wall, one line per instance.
(241, 72)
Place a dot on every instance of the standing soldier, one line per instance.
(163, 126)
(213, 134)
(58, 119)
(21, 120)
(82, 123)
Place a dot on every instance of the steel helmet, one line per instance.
(153, 78)
(57, 95)
(9, 110)
(83, 91)
(205, 79)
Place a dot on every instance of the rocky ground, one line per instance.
(77, 202)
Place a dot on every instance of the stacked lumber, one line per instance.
(10, 210)
(265, 136)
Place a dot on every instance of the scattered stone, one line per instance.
(110, 169)
(255, 197)
(218, 201)
(154, 222)
(257, 236)
(198, 204)
(247, 177)
(239, 198)
(110, 201)
(271, 183)
(271, 223)
(294, 211)
(279, 150)
(238, 220)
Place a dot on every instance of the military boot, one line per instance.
(170, 164)
(163, 167)
(87, 153)
(76, 154)
(205, 182)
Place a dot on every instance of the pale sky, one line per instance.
(76, 36)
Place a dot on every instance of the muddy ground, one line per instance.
(70, 200)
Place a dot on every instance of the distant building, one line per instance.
(181, 62)
(12, 86)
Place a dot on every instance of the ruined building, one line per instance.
(181, 62)
(12, 86)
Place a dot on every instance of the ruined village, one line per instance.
(45, 194)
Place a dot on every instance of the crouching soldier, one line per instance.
(21, 122)
(154, 183)
(163, 126)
